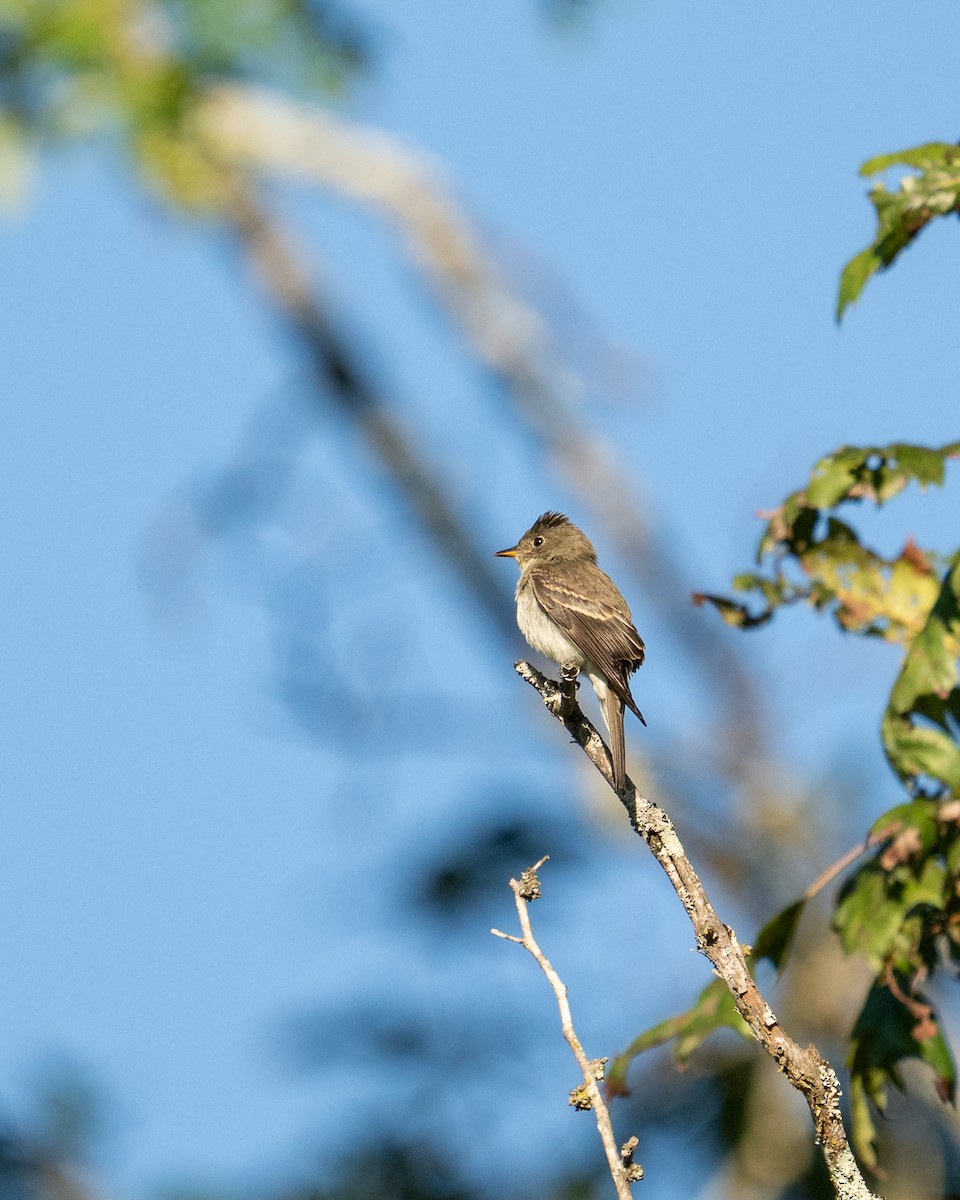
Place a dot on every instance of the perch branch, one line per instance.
(806, 1069)
(588, 1094)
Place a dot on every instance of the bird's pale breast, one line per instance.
(540, 631)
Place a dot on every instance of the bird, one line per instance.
(572, 612)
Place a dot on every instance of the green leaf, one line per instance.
(835, 474)
(914, 751)
(936, 1053)
(889, 1030)
(776, 937)
(918, 815)
(874, 472)
(854, 277)
(863, 1129)
(774, 591)
(868, 917)
(714, 1009)
(884, 910)
(802, 521)
(931, 154)
(922, 463)
(925, 688)
(903, 213)
(931, 665)
(927, 888)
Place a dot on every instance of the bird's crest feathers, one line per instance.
(550, 520)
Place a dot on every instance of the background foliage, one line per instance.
(899, 907)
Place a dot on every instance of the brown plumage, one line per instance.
(571, 611)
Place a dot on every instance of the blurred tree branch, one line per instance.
(341, 377)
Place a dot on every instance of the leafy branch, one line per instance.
(933, 191)
(900, 909)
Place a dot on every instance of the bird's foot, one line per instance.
(567, 684)
(569, 671)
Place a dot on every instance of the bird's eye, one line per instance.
(538, 541)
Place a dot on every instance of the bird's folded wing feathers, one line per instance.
(596, 620)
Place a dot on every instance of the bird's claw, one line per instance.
(569, 672)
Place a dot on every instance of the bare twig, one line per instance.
(806, 1069)
(830, 873)
(587, 1095)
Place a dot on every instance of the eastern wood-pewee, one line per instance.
(569, 610)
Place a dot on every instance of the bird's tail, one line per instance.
(613, 717)
(631, 704)
(621, 685)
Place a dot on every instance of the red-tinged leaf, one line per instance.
(918, 817)
(893, 1027)
(935, 1052)
(916, 558)
(732, 611)
(949, 813)
(900, 849)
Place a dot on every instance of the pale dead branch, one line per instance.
(620, 1162)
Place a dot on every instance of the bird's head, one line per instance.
(551, 538)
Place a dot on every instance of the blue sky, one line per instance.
(175, 849)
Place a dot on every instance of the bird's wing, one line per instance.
(589, 609)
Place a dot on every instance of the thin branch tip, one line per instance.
(588, 1094)
(528, 885)
(633, 1170)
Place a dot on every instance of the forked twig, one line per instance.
(587, 1095)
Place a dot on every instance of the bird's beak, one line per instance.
(511, 553)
